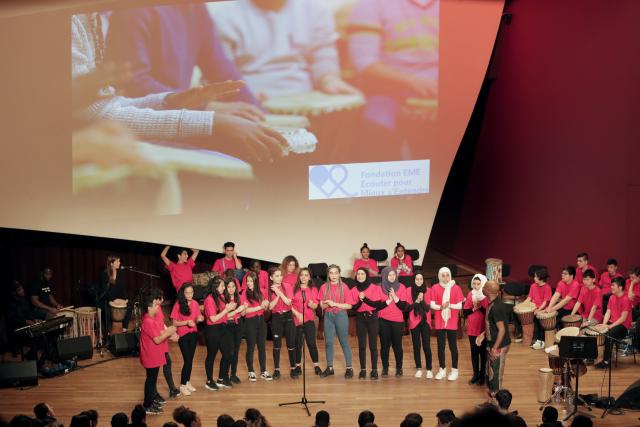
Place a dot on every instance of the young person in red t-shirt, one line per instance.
(446, 300)
(605, 281)
(401, 262)
(392, 319)
(632, 288)
(215, 311)
(305, 297)
(280, 296)
(229, 261)
(540, 295)
(181, 271)
(617, 318)
(263, 277)
(254, 325)
(474, 308)
(290, 267)
(589, 303)
(152, 355)
(174, 392)
(565, 296)
(233, 335)
(419, 300)
(582, 265)
(365, 262)
(185, 316)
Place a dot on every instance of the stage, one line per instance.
(117, 385)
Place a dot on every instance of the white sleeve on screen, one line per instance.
(323, 52)
(365, 43)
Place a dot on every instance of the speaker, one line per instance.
(630, 398)
(80, 348)
(18, 374)
(124, 344)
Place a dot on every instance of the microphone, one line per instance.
(125, 267)
(304, 297)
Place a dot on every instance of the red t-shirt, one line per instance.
(333, 293)
(311, 294)
(210, 309)
(406, 261)
(373, 292)
(475, 321)
(251, 304)
(365, 263)
(280, 306)
(263, 282)
(579, 273)
(587, 299)
(455, 297)
(618, 305)
(414, 319)
(290, 279)
(195, 312)
(391, 312)
(223, 264)
(237, 315)
(572, 290)
(540, 294)
(636, 293)
(605, 282)
(151, 354)
(160, 319)
(181, 273)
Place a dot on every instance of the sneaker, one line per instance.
(429, 374)
(153, 410)
(473, 380)
(327, 372)
(442, 372)
(252, 377)
(190, 387)
(211, 385)
(362, 375)
(299, 370)
(418, 373)
(294, 373)
(518, 340)
(348, 374)
(601, 365)
(160, 399)
(374, 374)
(385, 372)
(538, 345)
(158, 403)
(276, 374)
(266, 376)
(399, 372)
(317, 370)
(453, 375)
(174, 393)
(223, 384)
(184, 390)
(234, 379)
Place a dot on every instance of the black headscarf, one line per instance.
(367, 281)
(419, 309)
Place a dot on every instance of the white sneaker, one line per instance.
(252, 377)
(184, 390)
(429, 375)
(419, 373)
(442, 372)
(190, 387)
(453, 375)
(266, 376)
(538, 345)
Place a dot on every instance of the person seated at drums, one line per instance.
(633, 291)
(282, 47)
(540, 295)
(44, 304)
(229, 261)
(582, 265)
(605, 280)
(365, 262)
(182, 270)
(565, 296)
(393, 46)
(589, 303)
(617, 319)
(112, 283)
(263, 277)
(20, 314)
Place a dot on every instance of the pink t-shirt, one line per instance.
(391, 312)
(311, 294)
(540, 294)
(572, 290)
(290, 279)
(365, 263)
(210, 309)
(636, 293)
(263, 282)
(618, 305)
(160, 319)
(333, 293)
(238, 315)
(605, 282)
(280, 306)
(587, 299)
(151, 354)
(395, 262)
(181, 273)
(414, 319)
(223, 264)
(245, 300)
(475, 321)
(195, 312)
(455, 297)
(373, 292)
(589, 267)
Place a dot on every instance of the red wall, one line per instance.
(557, 164)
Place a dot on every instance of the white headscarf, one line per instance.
(478, 296)
(445, 313)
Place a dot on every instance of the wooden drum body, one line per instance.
(87, 317)
(545, 384)
(571, 320)
(118, 309)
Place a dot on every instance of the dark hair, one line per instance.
(255, 418)
(227, 296)
(119, 420)
(229, 272)
(92, 414)
(156, 293)
(322, 419)
(635, 270)
(138, 416)
(41, 410)
(364, 246)
(371, 425)
(254, 261)
(185, 310)
(570, 269)
(612, 261)
(581, 421)
(184, 415)
(413, 419)
(240, 423)
(224, 420)
(419, 309)
(583, 255)
(213, 290)
(589, 273)
(398, 245)
(550, 414)
(271, 272)
(542, 274)
(80, 420)
(147, 302)
(229, 245)
(180, 250)
(365, 416)
(254, 295)
(287, 260)
(445, 416)
(298, 285)
(21, 421)
(504, 397)
(169, 424)
(618, 281)
(486, 416)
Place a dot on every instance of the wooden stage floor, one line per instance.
(117, 385)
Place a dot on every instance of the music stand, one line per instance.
(576, 349)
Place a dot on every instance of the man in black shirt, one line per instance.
(45, 305)
(497, 335)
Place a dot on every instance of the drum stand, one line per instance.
(561, 392)
(576, 398)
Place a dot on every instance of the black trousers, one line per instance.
(187, 344)
(513, 319)
(618, 332)
(368, 327)
(168, 375)
(232, 340)
(215, 336)
(391, 336)
(282, 325)
(605, 302)
(256, 334)
(306, 332)
(538, 330)
(421, 338)
(444, 335)
(150, 386)
(478, 357)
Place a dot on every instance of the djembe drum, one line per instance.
(571, 320)
(118, 309)
(524, 311)
(548, 322)
(571, 331)
(71, 331)
(494, 269)
(312, 103)
(598, 331)
(87, 317)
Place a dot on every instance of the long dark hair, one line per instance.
(184, 416)
(227, 296)
(420, 309)
(254, 295)
(213, 291)
(298, 285)
(272, 271)
(111, 272)
(185, 310)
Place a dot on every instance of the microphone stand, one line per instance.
(138, 299)
(609, 404)
(303, 401)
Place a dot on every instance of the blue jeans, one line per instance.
(337, 323)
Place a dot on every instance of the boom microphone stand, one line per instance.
(303, 401)
(610, 403)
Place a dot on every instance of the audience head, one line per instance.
(93, 416)
(486, 416)
(240, 423)
(581, 421)
(21, 421)
(170, 424)
(186, 417)
(503, 399)
(541, 275)
(225, 420)
(445, 416)
(254, 418)
(120, 420)
(322, 419)
(42, 411)
(80, 420)
(365, 417)
(549, 414)
(138, 416)
(412, 420)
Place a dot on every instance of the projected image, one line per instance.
(252, 91)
